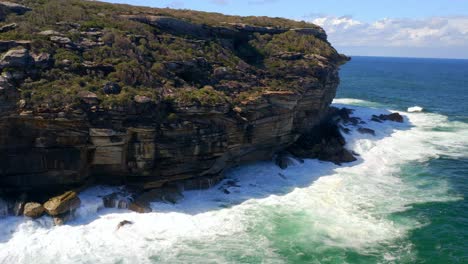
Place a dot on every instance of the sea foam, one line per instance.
(304, 209)
(415, 109)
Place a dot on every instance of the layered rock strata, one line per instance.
(50, 143)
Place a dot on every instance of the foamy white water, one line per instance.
(415, 109)
(318, 205)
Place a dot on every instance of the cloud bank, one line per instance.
(438, 36)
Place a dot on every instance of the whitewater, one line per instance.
(312, 212)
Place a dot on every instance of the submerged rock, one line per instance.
(395, 117)
(141, 204)
(285, 159)
(364, 130)
(62, 204)
(64, 218)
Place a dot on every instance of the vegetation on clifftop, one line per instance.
(79, 46)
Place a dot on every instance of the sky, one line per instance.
(401, 28)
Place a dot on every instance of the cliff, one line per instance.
(152, 97)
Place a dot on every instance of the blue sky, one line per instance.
(416, 28)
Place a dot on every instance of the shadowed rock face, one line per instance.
(131, 146)
(151, 144)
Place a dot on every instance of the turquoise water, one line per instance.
(440, 86)
(403, 201)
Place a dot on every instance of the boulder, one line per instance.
(61, 40)
(284, 159)
(88, 97)
(6, 45)
(395, 117)
(8, 27)
(89, 44)
(139, 208)
(42, 60)
(141, 99)
(364, 130)
(50, 33)
(290, 55)
(14, 7)
(63, 218)
(61, 204)
(111, 88)
(33, 210)
(16, 58)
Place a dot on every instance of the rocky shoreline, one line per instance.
(325, 143)
(162, 103)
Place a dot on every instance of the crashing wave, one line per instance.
(415, 109)
(246, 215)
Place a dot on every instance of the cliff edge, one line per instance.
(150, 97)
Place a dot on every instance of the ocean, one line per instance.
(402, 201)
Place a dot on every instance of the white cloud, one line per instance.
(430, 32)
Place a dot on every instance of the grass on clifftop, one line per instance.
(146, 60)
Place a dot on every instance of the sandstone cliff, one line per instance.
(151, 97)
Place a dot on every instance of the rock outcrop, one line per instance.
(195, 100)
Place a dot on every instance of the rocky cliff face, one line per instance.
(211, 112)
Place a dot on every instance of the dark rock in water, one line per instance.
(61, 204)
(62, 219)
(395, 117)
(364, 130)
(124, 223)
(111, 88)
(231, 183)
(33, 210)
(345, 129)
(284, 159)
(19, 203)
(325, 142)
(120, 200)
(3, 208)
(141, 204)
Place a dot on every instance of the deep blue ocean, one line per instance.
(402, 201)
(440, 86)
